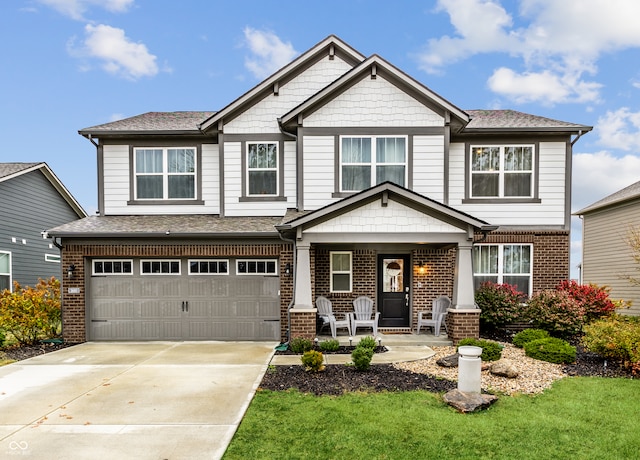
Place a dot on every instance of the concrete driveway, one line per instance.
(158, 400)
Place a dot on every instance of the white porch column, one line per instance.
(463, 297)
(303, 277)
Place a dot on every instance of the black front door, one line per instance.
(393, 290)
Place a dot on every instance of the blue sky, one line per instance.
(71, 64)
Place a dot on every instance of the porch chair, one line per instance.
(363, 313)
(438, 315)
(325, 312)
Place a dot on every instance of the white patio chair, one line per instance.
(436, 317)
(363, 315)
(325, 312)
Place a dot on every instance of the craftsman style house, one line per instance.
(229, 224)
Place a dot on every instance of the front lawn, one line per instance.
(580, 418)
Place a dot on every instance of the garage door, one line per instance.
(184, 299)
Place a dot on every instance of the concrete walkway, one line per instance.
(396, 354)
(159, 400)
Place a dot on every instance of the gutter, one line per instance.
(486, 229)
(580, 134)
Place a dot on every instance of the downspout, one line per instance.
(299, 190)
(485, 232)
(580, 134)
(88, 136)
(293, 290)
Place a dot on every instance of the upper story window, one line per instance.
(165, 173)
(368, 161)
(262, 168)
(502, 171)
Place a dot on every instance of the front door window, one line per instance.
(393, 275)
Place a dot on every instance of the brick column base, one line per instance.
(462, 324)
(303, 323)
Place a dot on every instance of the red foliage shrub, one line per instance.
(593, 299)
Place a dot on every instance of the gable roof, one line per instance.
(626, 194)
(10, 171)
(151, 123)
(506, 120)
(375, 65)
(385, 191)
(329, 46)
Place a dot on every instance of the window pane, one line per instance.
(484, 184)
(517, 184)
(175, 267)
(520, 282)
(97, 267)
(223, 268)
(148, 161)
(341, 281)
(181, 160)
(4, 263)
(485, 259)
(518, 158)
(356, 150)
(485, 159)
(390, 150)
(340, 262)
(479, 279)
(271, 267)
(149, 186)
(393, 174)
(262, 182)
(356, 178)
(181, 186)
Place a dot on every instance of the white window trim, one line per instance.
(55, 258)
(239, 261)
(501, 173)
(9, 274)
(165, 173)
(501, 274)
(93, 267)
(276, 169)
(208, 260)
(332, 272)
(142, 261)
(373, 162)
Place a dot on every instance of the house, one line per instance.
(605, 231)
(32, 199)
(338, 176)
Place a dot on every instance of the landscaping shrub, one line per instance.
(491, 351)
(551, 349)
(528, 335)
(592, 298)
(329, 345)
(500, 304)
(313, 361)
(2, 338)
(367, 342)
(556, 312)
(617, 338)
(300, 344)
(361, 358)
(31, 313)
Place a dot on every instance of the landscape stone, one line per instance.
(449, 361)
(468, 402)
(504, 368)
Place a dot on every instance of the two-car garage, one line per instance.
(183, 299)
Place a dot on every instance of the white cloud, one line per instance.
(619, 129)
(75, 9)
(269, 53)
(116, 52)
(559, 43)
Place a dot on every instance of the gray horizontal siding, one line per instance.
(606, 255)
(29, 204)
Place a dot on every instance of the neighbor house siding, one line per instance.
(606, 254)
(428, 166)
(372, 103)
(29, 204)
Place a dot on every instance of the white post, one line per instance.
(463, 297)
(469, 369)
(303, 277)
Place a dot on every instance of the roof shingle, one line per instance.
(512, 119)
(151, 122)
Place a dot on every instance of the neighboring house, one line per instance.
(606, 255)
(32, 199)
(337, 176)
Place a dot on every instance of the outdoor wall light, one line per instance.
(70, 271)
(422, 268)
(287, 269)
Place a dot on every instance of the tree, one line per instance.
(633, 240)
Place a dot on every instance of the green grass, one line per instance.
(578, 418)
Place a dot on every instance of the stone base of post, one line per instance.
(303, 323)
(462, 324)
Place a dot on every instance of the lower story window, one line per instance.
(112, 267)
(341, 271)
(5, 270)
(160, 267)
(52, 258)
(257, 267)
(503, 264)
(208, 267)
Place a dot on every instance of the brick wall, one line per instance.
(433, 280)
(74, 306)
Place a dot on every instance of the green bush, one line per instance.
(556, 312)
(300, 344)
(367, 342)
(361, 358)
(313, 361)
(551, 349)
(491, 351)
(617, 338)
(528, 335)
(2, 337)
(500, 304)
(329, 345)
